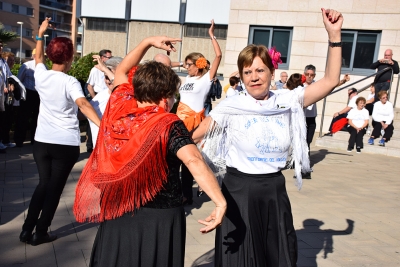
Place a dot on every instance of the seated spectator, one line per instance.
(233, 81)
(281, 84)
(382, 119)
(358, 121)
(371, 99)
(343, 113)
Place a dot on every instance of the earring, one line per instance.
(166, 105)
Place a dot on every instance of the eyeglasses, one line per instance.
(189, 64)
(387, 55)
(384, 97)
(309, 75)
(107, 57)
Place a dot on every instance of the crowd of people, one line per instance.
(144, 158)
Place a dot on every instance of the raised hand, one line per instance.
(333, 21)
(211, 29)
(43, 27)
(164, 42)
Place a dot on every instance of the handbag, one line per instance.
(9, 98)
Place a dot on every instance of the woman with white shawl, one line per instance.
(252, 135)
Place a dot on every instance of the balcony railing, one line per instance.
(63, 5)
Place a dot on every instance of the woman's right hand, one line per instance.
(164, 42)
(333, 21)
(214, 220)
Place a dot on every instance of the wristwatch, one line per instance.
(335, 44)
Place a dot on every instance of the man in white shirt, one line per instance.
(96, 84)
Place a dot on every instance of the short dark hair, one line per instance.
(104, 52)
(154, 81)
(352, 90)
(309, 67)
(60, 50)
(233, 80)
(294, 81)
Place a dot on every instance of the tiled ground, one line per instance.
(346, 215)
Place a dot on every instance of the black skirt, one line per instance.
(258, 227)
(149, 238)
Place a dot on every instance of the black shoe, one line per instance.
(89, 150)
(38, 239)
(200, 193)
(328, 134)
(306, 175)
(25, 236)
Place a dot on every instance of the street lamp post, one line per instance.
(20, 42)
(45, 43)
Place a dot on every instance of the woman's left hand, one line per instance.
(214, 220)
(43, 27)
(211, 29)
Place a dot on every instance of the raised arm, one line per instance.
(217, 50)
(333, 21)
(39, 57)
(133, 58)
(102, 67)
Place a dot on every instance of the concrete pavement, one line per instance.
(346, 215)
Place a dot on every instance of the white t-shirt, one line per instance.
(231, 92)
(358, 117)
(99, 103)
(370, 96)
(57, 121)
(96, 79)
(352, 102)
(311, 110)
(261, 144)
(195, 90)
(383, 112)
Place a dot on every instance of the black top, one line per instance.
(387, 75)
(171, 195)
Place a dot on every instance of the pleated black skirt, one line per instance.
(150, 238)
(258, 227)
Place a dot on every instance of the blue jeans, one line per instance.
(383, 86)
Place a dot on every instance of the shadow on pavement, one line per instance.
(320, 155)
(311, 241)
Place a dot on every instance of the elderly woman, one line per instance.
(253, 134)
(131, 182)
(382, 119)
(193, 94)
(358, 119)
(57, 136)
(99, 102)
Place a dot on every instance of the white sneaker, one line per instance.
(10, 145)
(2, 146)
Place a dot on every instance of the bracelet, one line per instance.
(39, 38)
(335, 44)
(215, 38)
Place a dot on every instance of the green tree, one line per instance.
(80, 69)
(6, 36)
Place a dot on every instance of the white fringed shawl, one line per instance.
(239, 109)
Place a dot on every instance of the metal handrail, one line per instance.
(362, 89)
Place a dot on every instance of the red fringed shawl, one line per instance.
(128, 165)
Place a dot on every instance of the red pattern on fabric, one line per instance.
(128, 165)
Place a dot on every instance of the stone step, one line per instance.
(344, 136)
(329, 142)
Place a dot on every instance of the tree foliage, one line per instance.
(6, 36)
(80, 69)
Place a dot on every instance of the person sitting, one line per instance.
(370, 99)
(233, 81)
(281, 84)
(358, 121)
(343, 113)
(382, 119)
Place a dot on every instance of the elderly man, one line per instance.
(281, 84)
(382, 81)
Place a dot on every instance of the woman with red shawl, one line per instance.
(131, 182)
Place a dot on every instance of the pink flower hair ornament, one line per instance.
(275, 56)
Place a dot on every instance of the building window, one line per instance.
(201, 31)
(278, 37)
(111, 25)
(15, 8)
(29, 11)
(28, 33)
(359, 49)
